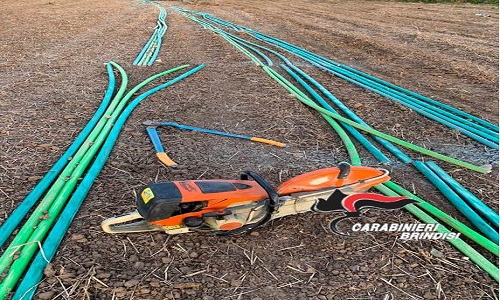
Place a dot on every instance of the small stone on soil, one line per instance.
(49, 271)
(131, 283)
(46, 295)
(77, 237)
(34, 178)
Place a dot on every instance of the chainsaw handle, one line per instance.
(270, 190)
(270, 206)
(345, 169)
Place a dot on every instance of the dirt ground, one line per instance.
(52, 78)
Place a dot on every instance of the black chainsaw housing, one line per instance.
(164, 204)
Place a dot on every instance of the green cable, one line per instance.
(41, 211)
(475, 256)
(484, 242)
(487, 244)
(462, 246)
(23, 207)
(490, 246)
(389, 137)
(436, 212)
(226, 37)
(351, 149)
(30, 244)
(245, 51)
(478, 205)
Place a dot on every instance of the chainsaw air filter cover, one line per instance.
(158, 201)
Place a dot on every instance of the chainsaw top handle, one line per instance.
(270, 190)
(270, 206)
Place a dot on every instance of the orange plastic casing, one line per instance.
(359, 179)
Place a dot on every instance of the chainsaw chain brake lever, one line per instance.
(270, 190)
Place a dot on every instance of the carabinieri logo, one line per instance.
(353, 205)
(408, 231)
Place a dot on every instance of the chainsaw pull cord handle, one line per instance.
(270, 207)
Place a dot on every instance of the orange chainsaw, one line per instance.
(227, 207)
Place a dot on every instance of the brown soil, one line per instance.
(52, 79)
